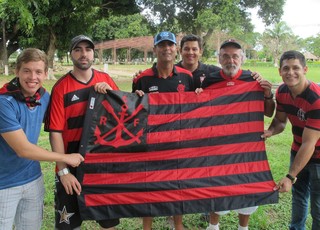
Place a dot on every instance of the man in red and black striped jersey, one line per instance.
(231, 58)
(298, 100)
(64, 121)
(164, 76)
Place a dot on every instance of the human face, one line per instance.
(82, 56)
(165, 51)
(231, 59)
(190, 53)
(293, 73)
(31, 76)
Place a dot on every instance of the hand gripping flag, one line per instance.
(174, 153)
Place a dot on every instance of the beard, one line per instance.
(82, 66)
(230, 69)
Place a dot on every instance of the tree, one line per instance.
(122, 26)
(16, 19)
(313, 44)
(119, 27)
(61, 20)
(55, 22)
(205, 17)
(278, 39)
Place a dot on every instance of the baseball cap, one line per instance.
(164, 36)
(80, 38)
(230, 42)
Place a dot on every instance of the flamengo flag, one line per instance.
(174, 153)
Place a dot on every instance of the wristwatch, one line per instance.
(293, 179)
(64, 171)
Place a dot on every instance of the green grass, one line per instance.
(268, 217)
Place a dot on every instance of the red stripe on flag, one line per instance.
(177, 195)
(175, 174)
(204, 132)
(207, 112)
(191, 97)
(92, 158)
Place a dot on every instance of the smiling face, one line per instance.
(293, 73)
(31, 76)
(82, 56)
(165, 51)
(190, 53)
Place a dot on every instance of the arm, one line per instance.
(309, 140)
(136, 87)
(269, 103)
(18, 141)
(277, 125)
(69, 181)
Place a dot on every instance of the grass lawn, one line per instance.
(269, 217)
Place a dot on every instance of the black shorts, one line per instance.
(67, 215)
(108, 223)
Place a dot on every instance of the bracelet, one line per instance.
(63, 172)
(270, 97)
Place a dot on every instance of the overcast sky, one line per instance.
(302, 16)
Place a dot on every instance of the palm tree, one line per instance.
(277, 40)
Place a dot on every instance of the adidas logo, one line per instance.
(74, 98)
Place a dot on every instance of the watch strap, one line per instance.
(64, 171)
(293, 179)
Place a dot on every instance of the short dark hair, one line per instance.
(191, 38)
(292, 54)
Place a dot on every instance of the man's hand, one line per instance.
(102, 87)
(73, 159)
(284, 185)
(198, 90)
(266, 134)
(136, 74)
(140, 93)
(256, 76)
(266, 85)
(70, 183)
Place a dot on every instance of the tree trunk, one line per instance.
(50, 53)
(5, 53)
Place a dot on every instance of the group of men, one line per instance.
(24, 101)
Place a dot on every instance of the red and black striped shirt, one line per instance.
(303, 111)
(68, 104)
(149, 81)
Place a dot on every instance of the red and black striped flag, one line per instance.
(174, 153)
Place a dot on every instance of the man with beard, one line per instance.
(64, 121)
(231, 57)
